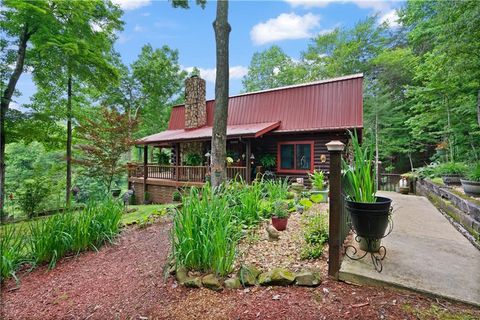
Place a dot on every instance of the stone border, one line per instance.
(248, 276)
(461, 212)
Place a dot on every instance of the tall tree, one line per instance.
(219, 133)
(272, 68)
(148, 88)
(21, 22)
(79, 51)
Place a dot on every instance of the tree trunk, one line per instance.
(5, 103)
(219, 134)
(478, 108)
(68, 187)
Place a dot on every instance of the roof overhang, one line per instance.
(250, 130)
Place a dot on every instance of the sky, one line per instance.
(256, 25)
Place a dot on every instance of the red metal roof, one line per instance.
(321, 105)
(252, 130)
(324, 105)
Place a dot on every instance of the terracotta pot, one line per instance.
(279, 223)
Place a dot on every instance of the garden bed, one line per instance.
(256, 249)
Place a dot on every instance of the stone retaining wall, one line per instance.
(462, 210)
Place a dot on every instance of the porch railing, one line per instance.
(180, 173)
(389, 181)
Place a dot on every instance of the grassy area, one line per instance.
(438, 312)
(144, 213)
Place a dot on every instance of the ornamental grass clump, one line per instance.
(12, 248)
(275, 189)
(204, 233)
(359, 176)
(72, 232)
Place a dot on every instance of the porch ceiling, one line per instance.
(251, 130)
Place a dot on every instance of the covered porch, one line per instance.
(181, 158)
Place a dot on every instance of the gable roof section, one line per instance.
(317, 106)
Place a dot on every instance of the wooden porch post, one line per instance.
(248, 152)
(335, 149)
(145, 171)
(177, 159)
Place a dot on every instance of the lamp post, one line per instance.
(335, 149)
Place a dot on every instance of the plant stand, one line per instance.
(369, 246)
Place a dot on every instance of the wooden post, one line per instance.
(145, 171)
(335, 149)
(177, 159)
(248, 152)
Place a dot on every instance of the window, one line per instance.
(295, 156)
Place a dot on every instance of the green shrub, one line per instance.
(428, 171)
(248, 205)
(31, 195)
(177, 196)
(474, 173)
(449, 168)
(266, 208)
(204, 234)
(317, 198)
(193, 159)
(316, 235)
(307, 204)
(280, 209)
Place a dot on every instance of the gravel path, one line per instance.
(125, 281)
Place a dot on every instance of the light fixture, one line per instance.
(252, 157)
(335, 145)
(208, 155)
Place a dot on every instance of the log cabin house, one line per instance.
(289, 125)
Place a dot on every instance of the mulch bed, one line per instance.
(256, 249)
(126, 281)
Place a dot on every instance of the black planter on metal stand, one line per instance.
(370, 221)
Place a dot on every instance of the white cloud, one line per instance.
(123, 38)
(391, 18)
(285, 26)
(146, 14)
(138, 28)
(378, 5)
(131, 4)
(209, 74)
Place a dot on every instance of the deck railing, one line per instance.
(389, 181)
(180, 173)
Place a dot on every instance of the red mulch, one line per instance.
(126, 281)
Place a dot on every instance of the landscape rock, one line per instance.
(273, 234)
(276, 277)
(248, 275)
(211, 282)
(193, 282)
(181, 274)
(233, 283)
(308, 278)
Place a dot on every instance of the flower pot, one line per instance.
(370, 220)
(451, 179)
(279, 223)
(369, 245)
(116, 192)
(471, 187)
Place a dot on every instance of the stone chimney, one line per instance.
(195, 103)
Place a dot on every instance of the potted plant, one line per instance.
(268, 162)
(471, 186)
(280, 216)
(176, 196)
(319, 184)
(368, 212)
(451, 172)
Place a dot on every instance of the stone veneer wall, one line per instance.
(461, 210)
(191, 147)
(195, 103)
